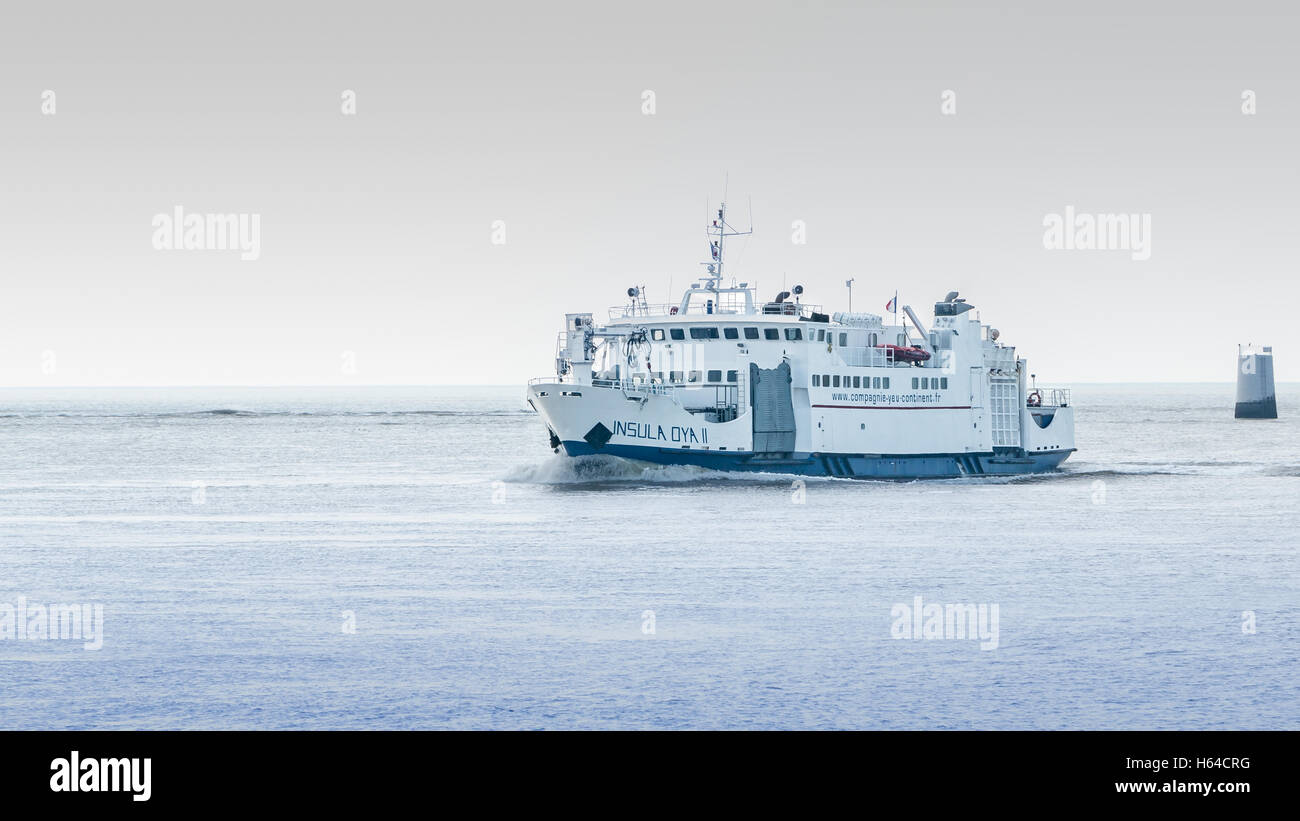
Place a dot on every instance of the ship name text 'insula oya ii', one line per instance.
(722, 381)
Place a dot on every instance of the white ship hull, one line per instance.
(898, 443)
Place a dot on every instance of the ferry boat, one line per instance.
(726, 381)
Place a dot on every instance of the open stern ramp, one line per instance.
(772, 409)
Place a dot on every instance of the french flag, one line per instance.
(889, 306)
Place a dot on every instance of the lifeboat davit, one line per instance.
(898, 353)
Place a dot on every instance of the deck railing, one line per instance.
(1048, 398)
(875, 358)
(660, 309)
(666, 310)
(635, 386)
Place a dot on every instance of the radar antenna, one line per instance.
(718, 233)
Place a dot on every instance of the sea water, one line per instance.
(419, 558)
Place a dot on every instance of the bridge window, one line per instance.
(674, 376)
(751, 333)
(732, 376)
(844, 340)
(676, 333)
(817, 380)
(835, 381)
(731, 333)
(925, 383)
(715, 376)
(943, 383)
(826, 380)
(875, 383)
(886, 385)
(657, 334)
(821, 336)
(916, 383)
(771, 333)
(794, 334)
(857, 381)
(693, 376)
(704, 333)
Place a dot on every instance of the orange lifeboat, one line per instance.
(898, 353)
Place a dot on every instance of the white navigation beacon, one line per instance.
(1256, 397)
(723, 380)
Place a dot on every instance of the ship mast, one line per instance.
(718, 233)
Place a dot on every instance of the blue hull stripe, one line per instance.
(848, 465)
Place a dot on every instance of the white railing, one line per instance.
(875, 358)
(656, 310)
(789, 309)
(1048, 398)
(635, 386)
(625, 385)
(725, 308)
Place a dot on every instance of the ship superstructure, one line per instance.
(723, 380)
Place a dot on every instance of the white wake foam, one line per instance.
(569, 470)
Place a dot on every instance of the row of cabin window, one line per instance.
(792, 334)
(825, 380)
(689, 377)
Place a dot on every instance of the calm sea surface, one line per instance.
(418, 558)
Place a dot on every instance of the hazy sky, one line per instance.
(376, 228)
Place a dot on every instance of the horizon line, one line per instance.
(503, 385)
